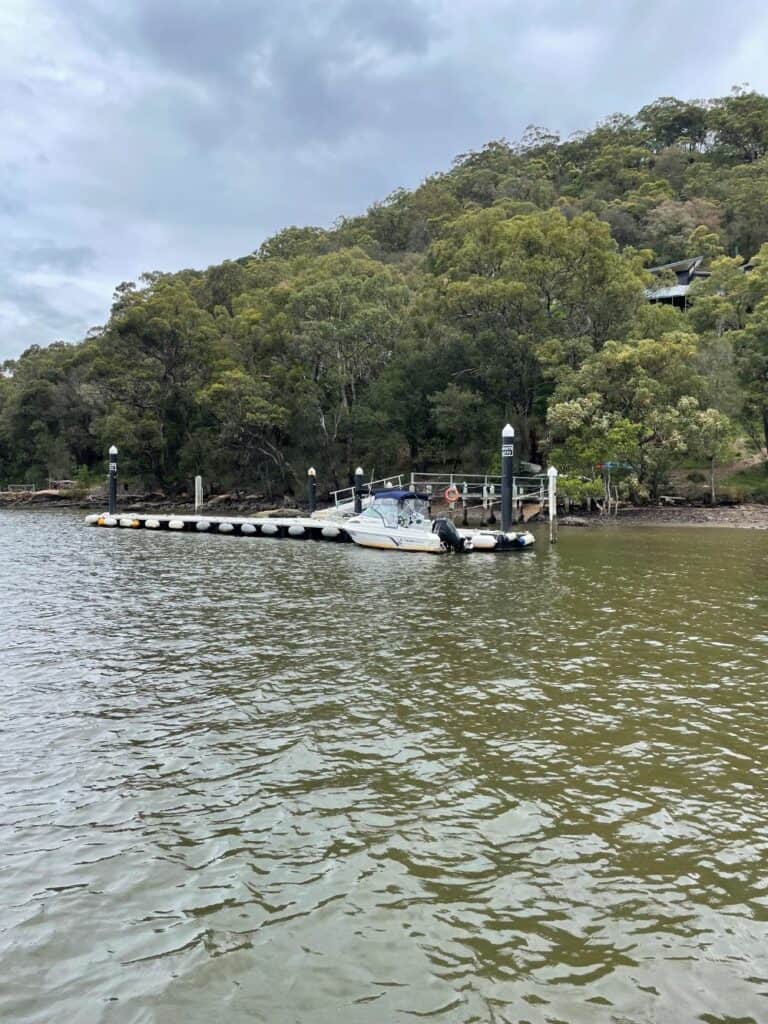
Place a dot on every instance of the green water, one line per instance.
(250, 780)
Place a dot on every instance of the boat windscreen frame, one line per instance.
(398, 508)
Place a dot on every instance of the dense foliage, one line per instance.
(510, 287)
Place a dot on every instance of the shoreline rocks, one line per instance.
(746, 516)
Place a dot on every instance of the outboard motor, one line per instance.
(449, 535)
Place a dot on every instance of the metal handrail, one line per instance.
(485, 487)
(346, 494)
(482, 487)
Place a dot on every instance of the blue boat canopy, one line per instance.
(398, 495)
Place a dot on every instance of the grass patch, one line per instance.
(748, 483)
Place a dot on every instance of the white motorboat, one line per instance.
(398, 520)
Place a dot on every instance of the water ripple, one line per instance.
(250, 781)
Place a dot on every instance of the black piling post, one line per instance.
(507, 475)
(113, 480)
(359, 478)
(312, 489)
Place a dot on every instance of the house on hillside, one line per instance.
(686, 272)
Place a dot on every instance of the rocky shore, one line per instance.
(744, 516)
(228, 504)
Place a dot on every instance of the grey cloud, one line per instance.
(156, 135)
(289, 67)
(54, 257)
(30, 316)
(401, 27)
(204, 38)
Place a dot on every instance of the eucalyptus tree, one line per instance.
(322, 335)
(732, 305)
(158, 350)
(639, 402)
(517, 289)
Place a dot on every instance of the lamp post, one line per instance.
(312, 489)
(507, 475)
(112, 480)
(359, 477)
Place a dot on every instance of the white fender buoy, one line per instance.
(247, 529)
(129, 521)
(202, 526)
(107, 521)
(226, 527)
(296, 530)
(176, 524)
(92, 519)
(483, 542)
(330, 532)
(270, 529)
(152, 524)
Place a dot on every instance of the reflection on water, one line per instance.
(250, 780)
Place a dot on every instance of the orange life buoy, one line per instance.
(452, 494)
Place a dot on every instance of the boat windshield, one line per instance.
(397, 512)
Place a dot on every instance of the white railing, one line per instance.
(474, 489)
(346, 495)
(481, 488)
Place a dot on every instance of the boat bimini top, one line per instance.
(399, 495)
(397, 508)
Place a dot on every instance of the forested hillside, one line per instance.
(511, 286)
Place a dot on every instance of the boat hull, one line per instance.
(389, 539)
(395, 540)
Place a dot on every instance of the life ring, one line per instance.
(452, 494)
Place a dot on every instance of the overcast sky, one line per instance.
(159, 134)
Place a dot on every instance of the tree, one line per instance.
(733, 305)
(740, 124)
(645, 389)
(292, 242)
(751, 352)
(324, 334)
(722, 301)
(744, 193)
(156, 354)
(709, 436)
(408, 221)
(675, 229)
(508, 286)
(250, 424)
(670, 121)
(46, 412)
